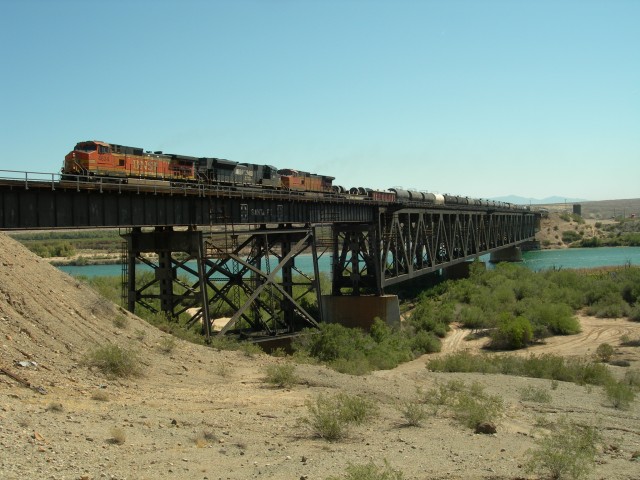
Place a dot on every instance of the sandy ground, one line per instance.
(197, 413)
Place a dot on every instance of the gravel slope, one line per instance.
(196, 413)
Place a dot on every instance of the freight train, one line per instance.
(93, 160)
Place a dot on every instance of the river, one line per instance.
(536, 260)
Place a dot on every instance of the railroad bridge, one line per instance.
(239, 246)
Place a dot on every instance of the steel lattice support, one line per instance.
(415, 242)
(164, 242)
(257, 280)
(355, 265)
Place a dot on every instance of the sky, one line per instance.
(482, 98)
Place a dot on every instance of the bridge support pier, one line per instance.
(459, 270)
(361, 311)
(164, 242)
(257, 283)
(509, 254)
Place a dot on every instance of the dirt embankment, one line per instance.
(196, 413)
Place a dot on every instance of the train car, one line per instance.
(304, 181)
(382, 196)
(401, 195)
(433, 198)
(216, 170)
(416, 196)
(94, 158)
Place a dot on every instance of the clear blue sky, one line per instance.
(479, 98)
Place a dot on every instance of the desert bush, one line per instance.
(634, 313)
(113, 360)
(551, 367)
(512, 334)
(370, 471)
(355, 409)
(55, 407)
(100, 396)
(413, 413)
(281, 375)
(610, 306)
(556, 317)
(120, 321)
(619, 394)
(604, 352)
(473, 406)
(534, 394)
(250, 349)
(568, 451)
(330, 416)
(425, 342)
(204, 438)
(353, 351)
(570, 236)
(469, 404)
(167, 344)
(118, 436)
(472, 316)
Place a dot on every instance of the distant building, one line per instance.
(577, 209)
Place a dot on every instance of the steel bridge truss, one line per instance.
(250, 276)
(408, 243)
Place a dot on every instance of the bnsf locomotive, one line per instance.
(91, 160)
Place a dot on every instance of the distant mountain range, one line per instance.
(537, 201)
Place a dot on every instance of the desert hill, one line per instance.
(199, 413)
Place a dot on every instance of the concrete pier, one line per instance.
(511, 254)
(459, 270)
(360, 311)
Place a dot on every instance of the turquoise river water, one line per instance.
(537, 260)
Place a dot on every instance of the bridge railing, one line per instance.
(30, 177)
(99, 183)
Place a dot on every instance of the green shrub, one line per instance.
(551, 367)
(330, 416)
(113, 360)
(634, 313)
(533, 394)
(632, 378)
(425, 342)
(323, 420)
(620, 394)
(469, 404)
(473, 406)
(413, 413)
(604, 352)
(167, 344)
(281, 375)
(472, 316)
(370, 472)
(355, 409)
(352, 351)
(569, 451)
(512, 334)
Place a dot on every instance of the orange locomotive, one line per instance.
(93, 158)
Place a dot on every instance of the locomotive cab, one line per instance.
(86, 158)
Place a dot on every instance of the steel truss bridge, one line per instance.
(229, 252)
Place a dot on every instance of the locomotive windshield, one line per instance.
(86, 147)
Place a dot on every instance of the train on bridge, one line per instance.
(96, 160)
